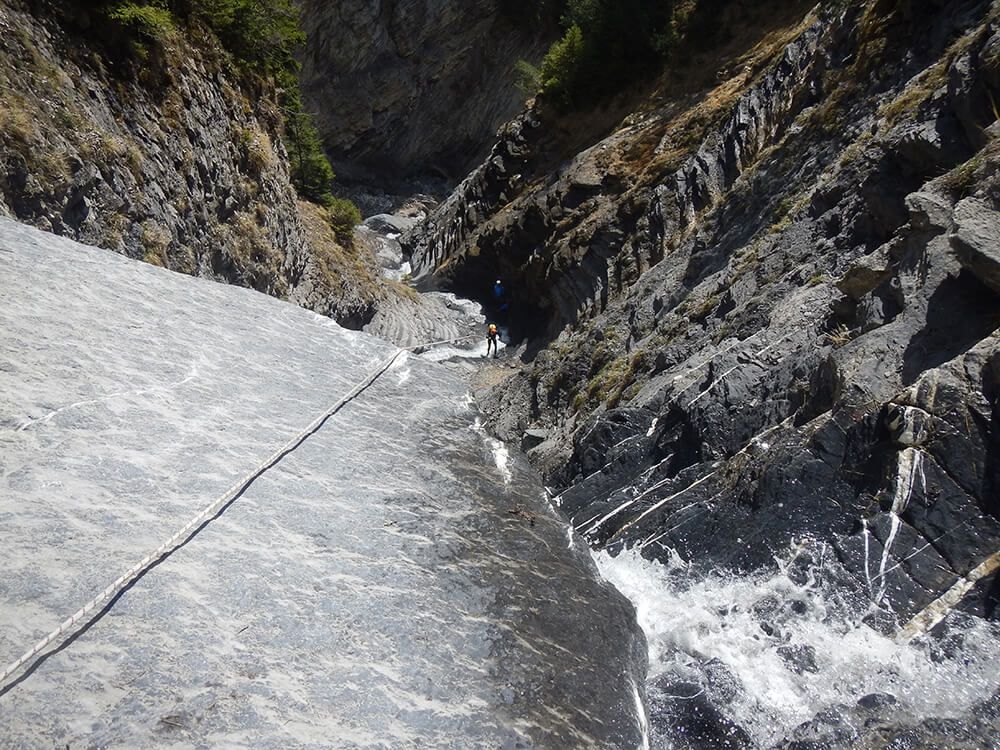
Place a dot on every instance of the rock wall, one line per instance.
(406, 88)
(180, 164)
(770, 307)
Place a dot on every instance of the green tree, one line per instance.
(264, 35)
(563, 67)
(311, 172)
(344, 215)
(151, 21)
(607, 44)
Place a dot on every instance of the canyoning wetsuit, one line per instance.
(491, 340)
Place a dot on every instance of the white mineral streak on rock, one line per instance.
(400, 369)
(498, 451)
(935, 612)
(353, 581)
(910, 466)
(501, 457)
(866, 535)
(640, 712)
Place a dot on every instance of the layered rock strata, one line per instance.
(182, 166)
(770, 307)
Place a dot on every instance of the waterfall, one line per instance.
(773, 650)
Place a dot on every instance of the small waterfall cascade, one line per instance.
(764, 659)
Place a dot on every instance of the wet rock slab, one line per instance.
(397, 581)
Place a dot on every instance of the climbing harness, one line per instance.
(189, 531)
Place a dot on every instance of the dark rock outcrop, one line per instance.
(780, 333)
(182, 166)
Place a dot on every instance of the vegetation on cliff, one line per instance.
(606, 45)
(144, 130)
(261, 37)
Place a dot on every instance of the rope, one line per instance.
(182, 537)
(436, 343)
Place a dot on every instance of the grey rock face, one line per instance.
(789, 334)
(185, 172)
(764, 354)
(396, 580)
(595, 226)
(977, 240)
(412, 87)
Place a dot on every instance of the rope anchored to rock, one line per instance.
(79, 620)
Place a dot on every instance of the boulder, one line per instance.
(976, 240)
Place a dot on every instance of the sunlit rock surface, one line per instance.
(397, 581)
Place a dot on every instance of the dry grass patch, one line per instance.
(839, 336)
(338, 266)
(248, 247)
(114, 233)
(257, 150)
(923, 86)
(403, 290)
(740, 63)
(110, 151)
(22, 131)
(966, 176)
(156, 241)
(17, 125)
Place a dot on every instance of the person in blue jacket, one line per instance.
(500, 297)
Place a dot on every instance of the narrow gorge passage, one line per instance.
(733, 480)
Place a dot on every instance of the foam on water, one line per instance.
(697, 625)
(400, 369)
(467, 306)
(444, 353)
(501, 456)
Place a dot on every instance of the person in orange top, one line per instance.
(491, 339)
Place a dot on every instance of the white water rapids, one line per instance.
(724, 637)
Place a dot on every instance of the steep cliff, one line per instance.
(762, 310)
(180, 163)
(413, 87)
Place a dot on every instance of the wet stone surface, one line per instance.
(397, 581)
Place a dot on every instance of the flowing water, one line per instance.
(455, 326)
(742, 661)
